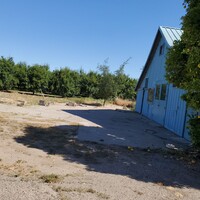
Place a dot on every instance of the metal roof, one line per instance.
(171, 34)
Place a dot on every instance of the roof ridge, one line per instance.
(170, 27)
(170, 34)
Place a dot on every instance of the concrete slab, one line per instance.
(126, 128)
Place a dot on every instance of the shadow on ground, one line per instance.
(124, 128)
(141, 164)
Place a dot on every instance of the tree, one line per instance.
(120, 79)
(21, 74)
(107, 84)
(7, 78)
(183, 62)
(65, 82)
(125, 85)
(38, 76)
(89, 84)
(128, 91)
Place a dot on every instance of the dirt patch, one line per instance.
(40, 150)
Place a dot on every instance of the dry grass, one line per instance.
(13, 97)
(87, 101)
(19, 169)
(51, 178)
(124, 103)
(16, 97)
(81, 190)
(21, 98)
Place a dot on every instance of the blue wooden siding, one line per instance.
(145, 107)
(156, 72)
(139, 101)
(156, 75)
(171, 112)
(176, 111)
(159, 110)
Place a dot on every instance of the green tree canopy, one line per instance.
(21, 74)
(38, 76)
(66, 82)
(183, 60)
(183, 64)
(89, 84)
(124, 84)
(7, 78)
(107, 84)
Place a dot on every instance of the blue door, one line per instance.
(159, 105)
(176, 111)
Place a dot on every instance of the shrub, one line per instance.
(194, 128)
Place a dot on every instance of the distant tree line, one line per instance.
(66, 82)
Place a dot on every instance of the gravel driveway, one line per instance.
(83, 153)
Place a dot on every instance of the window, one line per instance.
(157, 92)
(162, 47)
(150, 95)
(163, 92)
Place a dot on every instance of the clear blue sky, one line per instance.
(83, 33)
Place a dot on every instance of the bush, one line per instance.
(194, 128)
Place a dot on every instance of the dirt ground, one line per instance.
(41, 157)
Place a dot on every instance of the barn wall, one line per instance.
(139, 101)
(156, 72)
(176, 111)
(155, 75)
(171, 112)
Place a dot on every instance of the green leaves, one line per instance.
(66, 82)
(183, 61)
(8, 80)
(38, 76)
(194, 126)
(116, 85)
(107, 84)
(20, 73)
(176, 72)
(183, 58)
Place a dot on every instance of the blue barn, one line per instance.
(156, 98)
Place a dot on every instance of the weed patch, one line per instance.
(51, 178)
(81, 190)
